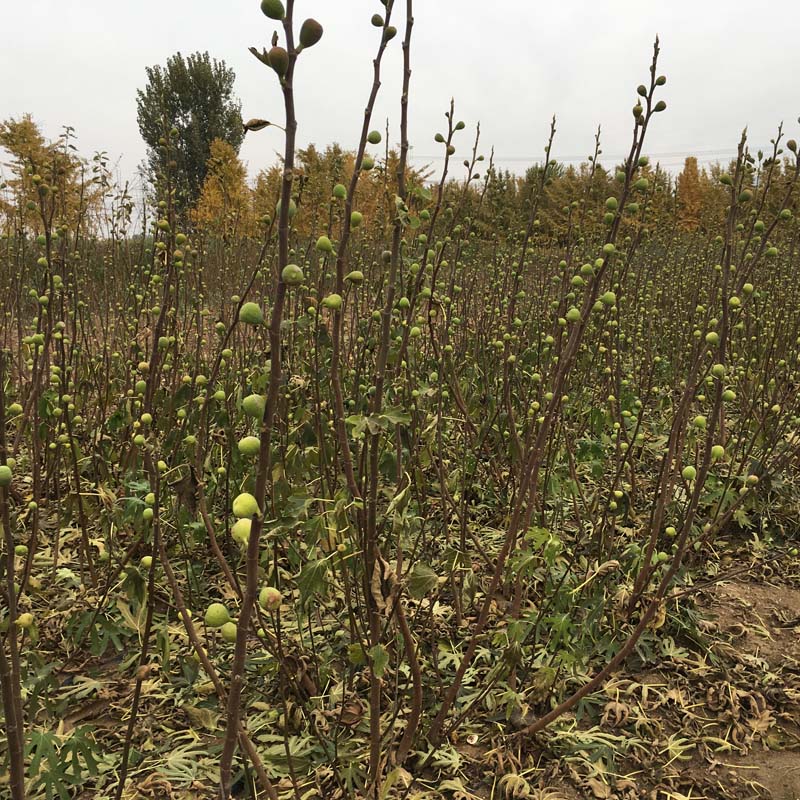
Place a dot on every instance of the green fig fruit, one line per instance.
(333, 301)
(25, 620)
(292, 275)
(356, 277)
(273, 9)
(251, 314)
(240, 531)
(324, 245)
(279, 60)
(253, 405)
(269, 598)
(292, 208)
(245, 505)
(310, 32)
(229, 631)
(249, 445)
(217, 615)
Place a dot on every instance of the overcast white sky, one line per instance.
(509, 64)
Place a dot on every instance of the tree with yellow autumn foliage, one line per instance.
(48, 182)
(690, 201)
(225, 206)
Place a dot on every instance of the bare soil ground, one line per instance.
(762, 622)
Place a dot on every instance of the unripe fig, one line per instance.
(279, 60)
(377, 20)
(333, 301)
(292, 274)
(717, 452)
(269, 598)
(273, 9)
(5, 475)
(324, 245)
(310, 32)
(374, 137)
(689, 473)
(253, 405)
(249, 445)
(228, 631)
(25, 620)
(245, 505)
(355, 219)
(659, 106)
(251, 314)
(356, 276)
(240, 530)
(340, 191)
(217, 615)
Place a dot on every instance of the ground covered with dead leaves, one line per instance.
(713, 712)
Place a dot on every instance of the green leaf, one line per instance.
(422, 580)
(355, 655)
(396, 416)
(312, 580)
(379, 657)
